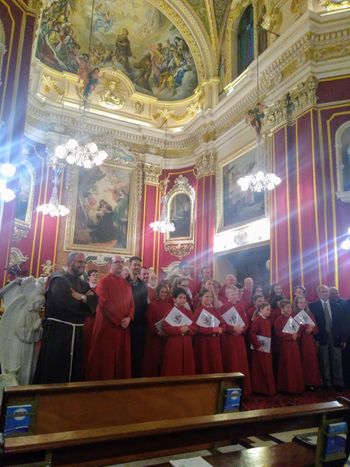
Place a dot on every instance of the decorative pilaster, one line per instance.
(205, 165)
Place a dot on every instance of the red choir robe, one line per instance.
(110, 354)
(289, 371)
(246, 298)
(234, 353)
(154, 345)
(151, 293)
(207, 344)
(178, 357)
(250, 312)
(309, 354)
(222, 294)
(263, 381)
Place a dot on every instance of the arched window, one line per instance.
(342, 146)
(245, 39)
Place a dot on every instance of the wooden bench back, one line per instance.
(92, 405)
(151, 439)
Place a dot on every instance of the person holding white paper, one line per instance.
(178, 358)
(307, 343)
(263, 381)
(290, 373)
(234, 353)
(207, 343)
(157, 310)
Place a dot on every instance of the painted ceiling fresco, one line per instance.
(127, 35)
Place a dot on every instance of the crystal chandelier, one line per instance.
(259, 180)
(53, 208)
(163, 225)
(81, 151)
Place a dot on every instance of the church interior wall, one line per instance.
(307, 221)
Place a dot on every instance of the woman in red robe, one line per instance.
(156, 311)
(178, 358)
(234, 353)
(290, 373)
(208, 328)
(308, 346)
(263, 381)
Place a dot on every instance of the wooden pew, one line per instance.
(75, 406)
(123, 443)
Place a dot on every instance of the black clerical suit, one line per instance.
(138, 325)
(331, 337)
(61, 354)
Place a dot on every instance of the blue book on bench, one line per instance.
(18, 419)
(232, 399)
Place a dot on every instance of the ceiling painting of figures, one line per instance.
(127, 35)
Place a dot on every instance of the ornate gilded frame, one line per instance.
(131, 235)
(180, 246)
(221, 169)
(341, 193)
(21, 226)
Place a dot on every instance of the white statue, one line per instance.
(20, 328)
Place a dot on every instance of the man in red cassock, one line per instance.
(110, 353)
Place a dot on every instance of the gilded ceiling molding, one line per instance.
(151, 173)
(293, 103)
(309, 48)
(205, 165)
(212, 24)
(200, 9)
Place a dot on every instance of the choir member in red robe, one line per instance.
(248, 285)
(110, 354)
(263, 381)
(205, 275)
(230, 279)
(308, 346)
(290, 373)
(178, 358)
(155, 339)
(234, 354)
(257, 301)
(208, 328)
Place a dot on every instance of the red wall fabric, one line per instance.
(308, 223)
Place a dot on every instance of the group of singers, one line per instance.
(122, 326)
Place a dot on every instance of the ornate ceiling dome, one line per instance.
(90, 38)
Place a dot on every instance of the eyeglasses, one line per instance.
(117, 261)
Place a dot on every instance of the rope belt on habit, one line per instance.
(74, 325)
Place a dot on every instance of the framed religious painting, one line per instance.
(236, 207)
(103, 208)
(24, 199)
(180, 211)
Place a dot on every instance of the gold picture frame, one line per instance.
(103, 209)
(180, 211)
(235, 207)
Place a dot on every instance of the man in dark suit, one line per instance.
(331, 337)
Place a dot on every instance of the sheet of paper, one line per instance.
(303, 318)
(291, 326)
(265, 343)
(207, 320)
(192, 462)
(233, 318)
(159, 325)
(176, 318)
